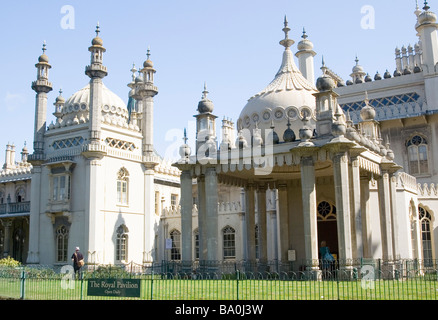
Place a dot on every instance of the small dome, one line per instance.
(367, 112)
(205, 105)
(427, 17)
(43, 58)
(397, 73)
(305, 45)
(377, 76)
(148, 64)
(97, 41)
(59, 100)
(417, 69)
(368, 78)
(289, 135)
(325, 83)
(387, 75)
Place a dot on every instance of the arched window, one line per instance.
(426, 235)
(122, 186)
(2, 197)
(175, 252)
(417, 155)
(20, 195)
(61, 244)
(326, 211)
(229, 242)
(122, 243)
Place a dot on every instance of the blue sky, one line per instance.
(232, 45)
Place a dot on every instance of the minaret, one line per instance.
(305, 58)
(42, 87)
(59, 105)
(205, 125)
(144, 92)
(96, 71)
(326, 102)
(427, 29)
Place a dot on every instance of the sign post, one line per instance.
(114, 287)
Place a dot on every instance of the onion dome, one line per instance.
(60, 99)
(427, 17)
(285, 96)
(43, 58)
(289, 134)
(417, 69)
(349, 82)
(97, 41)
(325, 82)
(275, 139)
(184, 150)
(367, 112)
(377, 76)
(387, 75)
(148, 63)
(241, 141)
(397, 73)
(205, 105)
(368, 78)
(305, 44)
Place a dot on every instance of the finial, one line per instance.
(426, 6)
(60, 92)
(304, 36)
(44, 46)
(97, 29)
(357, 61)
(286, 29)
(185, 136)
(148, 54)
(286, 42)
(205, 92)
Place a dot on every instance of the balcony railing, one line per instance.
(15, 207)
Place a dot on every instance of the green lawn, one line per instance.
(418, 288)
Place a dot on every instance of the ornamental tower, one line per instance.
(96, 71)
(42, 87)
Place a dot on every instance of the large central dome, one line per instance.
(288, 97)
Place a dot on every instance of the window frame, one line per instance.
(417, 146)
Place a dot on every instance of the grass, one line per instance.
(420, 288)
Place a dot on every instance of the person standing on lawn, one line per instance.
(78, 261)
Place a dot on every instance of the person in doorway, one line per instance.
(327, 258)
(78, 262)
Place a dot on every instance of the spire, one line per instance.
(426, 6)
(286, 42)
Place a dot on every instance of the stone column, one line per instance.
(356, 213)
(149, 209)
(7, 224)
(250, 223)
(186, 215)
(263, 231)
(342, 194)
(201, 219)
(395, 229)
(366, 220)
(283, 222)
(385, 216)
(34, 222)
(308, 187)
(211, 205)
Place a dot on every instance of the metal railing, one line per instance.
(15, 207)
(373, 280)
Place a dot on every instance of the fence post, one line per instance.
(152, 285)
(22, 284)
(237, 285)
(82, 288)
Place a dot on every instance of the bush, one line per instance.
(9, 262)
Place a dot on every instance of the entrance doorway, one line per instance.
(327, 226)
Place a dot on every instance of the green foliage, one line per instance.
(110, 271)
(9, 262)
